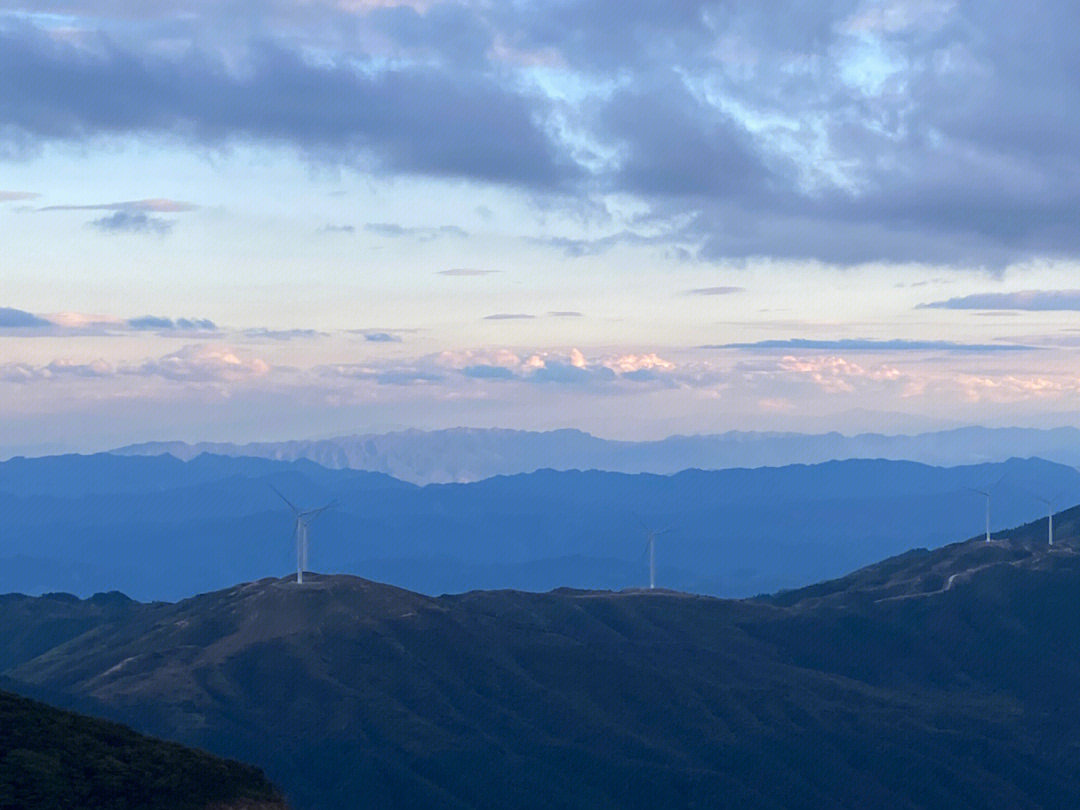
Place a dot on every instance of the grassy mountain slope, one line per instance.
(942, 678)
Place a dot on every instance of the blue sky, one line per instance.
(276, 218)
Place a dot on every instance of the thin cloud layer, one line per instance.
(465, 272)
(863, 345)
(1028, 300)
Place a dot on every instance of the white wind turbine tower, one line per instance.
(986, 493)
(1049, 503)
(652, 534)
(300, 532)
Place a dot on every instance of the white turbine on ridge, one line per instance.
(986, 494)
(300, 532)
(651, 546)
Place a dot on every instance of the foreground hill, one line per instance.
(56, 760)
(160, 528)
(939, 679)
(471, 454)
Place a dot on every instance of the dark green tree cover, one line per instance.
(57, 760)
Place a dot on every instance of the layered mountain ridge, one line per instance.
(938, 678)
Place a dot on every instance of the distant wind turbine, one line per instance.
(1049, 503)
(986, 494)
(300, 532)
(652, 534)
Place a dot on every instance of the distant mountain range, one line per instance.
(160, 528)
(937, 679)
(465, 454)
(58, 760)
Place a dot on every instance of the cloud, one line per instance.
(168, 324)
(866, 345)
(716, 291)
(508, 316)
(898, 131)
(411, 117)
(14, 196)
(203, 363)
(154, 206)
(565, 314)
(488, 372)
(337, 229)
(1028, 300)
(282, 334)
(465, 272)
(381, 337)
(392, 230)
(18, 319)
(133, 222)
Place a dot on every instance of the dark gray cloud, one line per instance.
(716, 291)
(1027, 300)
(847, 132)
(865, 345)
(133, 222)
(417, 119)
(466, 272)
(18, 319)
(508, 316)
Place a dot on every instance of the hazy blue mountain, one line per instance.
(934, 680)
(466, 454)
(160, 528)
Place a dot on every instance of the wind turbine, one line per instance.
(1049, 503)
(300, 532)
(652, 534)
(986, 494)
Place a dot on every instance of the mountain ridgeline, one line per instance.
(161, 528)
(937, 679)
(460, 455)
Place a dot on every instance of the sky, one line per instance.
(269, 219)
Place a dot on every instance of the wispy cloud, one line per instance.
(716, 291)
(465, 272)
(1029, 300)
(565, 314)
(151, 322)
(393, 230)
(381, 337)
(337, 229)
(133, 222)
(509, 316)
(153, 206)
(866, 345)
(282, 334)
(15, 196)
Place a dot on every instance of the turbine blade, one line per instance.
(290, 503)
(644, 525)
